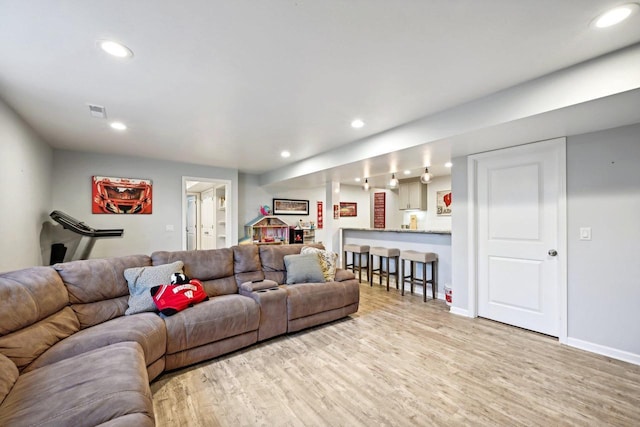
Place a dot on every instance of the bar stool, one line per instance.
(422, 258)
(384, 254)
(360, 250)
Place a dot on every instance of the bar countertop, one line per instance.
(399, 230)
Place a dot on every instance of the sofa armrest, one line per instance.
(273, 306)
(342, 275)
(248, 287)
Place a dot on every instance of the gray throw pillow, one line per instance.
(142, 279)
(304, 268)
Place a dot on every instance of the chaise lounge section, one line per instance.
(70, 356)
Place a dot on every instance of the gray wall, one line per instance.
(603, 192)
(143, 233)
(25, 191)
(603, 183)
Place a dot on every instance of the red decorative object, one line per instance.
(379, 210)
(336, 211)
(320, 214)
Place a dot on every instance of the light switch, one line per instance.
(169, 227)
(585, 233)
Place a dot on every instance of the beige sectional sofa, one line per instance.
(70, 356)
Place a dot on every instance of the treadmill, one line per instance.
(66, 244)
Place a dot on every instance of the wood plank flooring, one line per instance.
(402, 362)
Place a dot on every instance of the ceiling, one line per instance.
(231, 83)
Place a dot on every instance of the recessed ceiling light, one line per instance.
(357, 179)
(285, 154)
(407, 172)
(615, 16)
(357, 123)
(114, 48)
(118, 126)
(448, 165)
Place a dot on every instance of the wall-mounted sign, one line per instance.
(443, 203)
(320, 214)
(379, 210)
(336, 211)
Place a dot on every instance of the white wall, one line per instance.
(603, 192)
(25, 191)
(142, 233)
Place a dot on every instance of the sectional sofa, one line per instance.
(70, 356)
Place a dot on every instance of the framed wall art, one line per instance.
(348, 209)
(290, 207)
(443, 203)
(111, 195)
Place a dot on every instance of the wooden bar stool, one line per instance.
(384, 254)
(360, 250)
(422, 258)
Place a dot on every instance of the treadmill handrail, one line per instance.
(70, 223)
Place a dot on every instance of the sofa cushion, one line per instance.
(140, 281)
(246, 264)
(27, 344)
(28, 296)
(303, 269)
(8, 376)
(147, 329)
(307, 299)
(328, 261)
(213, 267)
(219, 318)
(86, 390)
(101, 283)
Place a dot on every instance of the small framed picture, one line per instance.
(290, 207)
(443, 203)
(348, 209)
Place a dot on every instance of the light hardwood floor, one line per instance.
(402, 362)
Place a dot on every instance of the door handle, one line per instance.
(552, 252)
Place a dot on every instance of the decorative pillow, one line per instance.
(8, 376)
(171, 299)
(303, 268)
(141, 279)
(328, 261)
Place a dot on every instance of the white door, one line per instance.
(207, 208)
(520, 224)
(191, 221)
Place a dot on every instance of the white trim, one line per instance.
(472, 229)
(563, 289)
(459, 311)
(472, 248)
(625, 356)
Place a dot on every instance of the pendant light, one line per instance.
(365, 186)
(425, 177)
(394, 181)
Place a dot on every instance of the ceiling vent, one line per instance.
(97, 111)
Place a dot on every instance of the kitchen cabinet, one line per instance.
(412, 195)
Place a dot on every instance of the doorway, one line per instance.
(518, 236)
(206, 221)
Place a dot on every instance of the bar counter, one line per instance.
(437, 241)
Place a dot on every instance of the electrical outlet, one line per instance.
(169, 227)
(585, 233)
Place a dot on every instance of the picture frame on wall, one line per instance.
(443, 203)
(115, 195)
(290, 207)
(348, 209)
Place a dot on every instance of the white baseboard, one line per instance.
(614, 353)
(459, 311)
